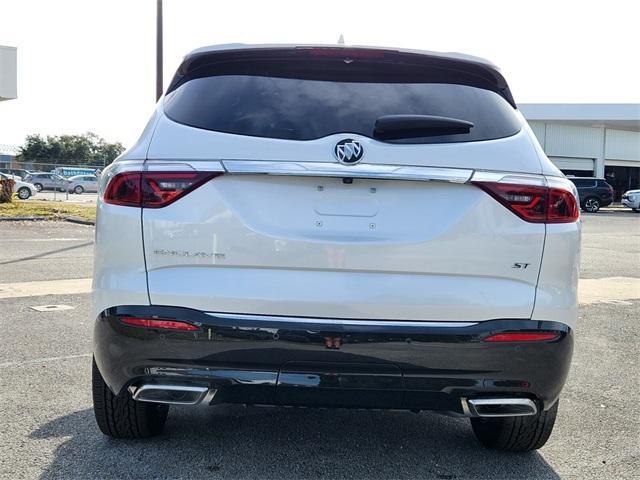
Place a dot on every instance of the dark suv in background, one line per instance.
(594, 193)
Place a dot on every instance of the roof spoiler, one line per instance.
(338, 63)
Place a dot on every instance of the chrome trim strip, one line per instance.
(465, 407)
(478, 402)
(201, 391)
(508, 177)
(361, 170)
(174, 165)
(340, 321)
(208, 398)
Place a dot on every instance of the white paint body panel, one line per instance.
(119, 273)
(400, 253)
(557, 292)
(316, 247)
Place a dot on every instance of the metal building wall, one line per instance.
(622, 145)
(576, 146)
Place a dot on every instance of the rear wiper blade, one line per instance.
(408, 126)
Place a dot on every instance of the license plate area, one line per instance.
(335, 198)
(340, 385)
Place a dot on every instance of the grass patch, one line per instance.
(49, 210)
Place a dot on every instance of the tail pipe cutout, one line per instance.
(499, 407)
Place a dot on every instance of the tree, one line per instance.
(86, 149)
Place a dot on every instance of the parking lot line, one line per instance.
(46, 287)
(610, 289)
(22, 240)
(44, 360)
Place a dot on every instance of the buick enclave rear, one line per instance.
(336, 227)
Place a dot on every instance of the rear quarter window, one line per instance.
(303, 109)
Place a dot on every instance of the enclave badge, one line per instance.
(188, 254)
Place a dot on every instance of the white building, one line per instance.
(8, 73)
(601, 140)
(8, 91)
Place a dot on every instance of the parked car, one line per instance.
(631, 199)
(82, 183)
(20, 172)
(23, 189)
(47, 181)
(594, 193)
(336, 227)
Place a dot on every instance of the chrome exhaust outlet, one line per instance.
(171, 394)
(499, 407)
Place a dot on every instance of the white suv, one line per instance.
(336, 227)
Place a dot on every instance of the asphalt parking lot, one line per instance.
(47, 428)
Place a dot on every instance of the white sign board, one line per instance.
(8, 73)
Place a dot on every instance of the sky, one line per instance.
(89, 65)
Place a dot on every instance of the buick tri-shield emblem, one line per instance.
(348, 151)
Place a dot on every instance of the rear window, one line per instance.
(303, 109)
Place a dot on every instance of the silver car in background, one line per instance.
(46, 181)
(82, 183)
(631, 199)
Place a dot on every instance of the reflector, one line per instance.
(522, 337)
(157, 323)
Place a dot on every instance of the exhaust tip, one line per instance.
(499, 407)
(170, 394)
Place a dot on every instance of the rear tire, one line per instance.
(78, 190)
(515, 434)
(120, 416)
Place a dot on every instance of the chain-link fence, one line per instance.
(55, 176)
(58, 167)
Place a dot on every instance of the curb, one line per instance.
(78, 220)
(614, 210)
(22, 219)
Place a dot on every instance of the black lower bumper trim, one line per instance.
(321, 363)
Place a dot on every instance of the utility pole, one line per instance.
(159, 88)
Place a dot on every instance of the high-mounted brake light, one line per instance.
(341, 52)
(159, 324)
(153, 189)
(535, 203)
(522, 337)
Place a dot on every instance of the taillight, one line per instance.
(159, 324)
(124, 189)
(522, 337)
(562, 207)
(153, 189)
(535, 203)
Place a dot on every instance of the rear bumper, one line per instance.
(335, 363)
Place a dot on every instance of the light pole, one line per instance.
(159, 50)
